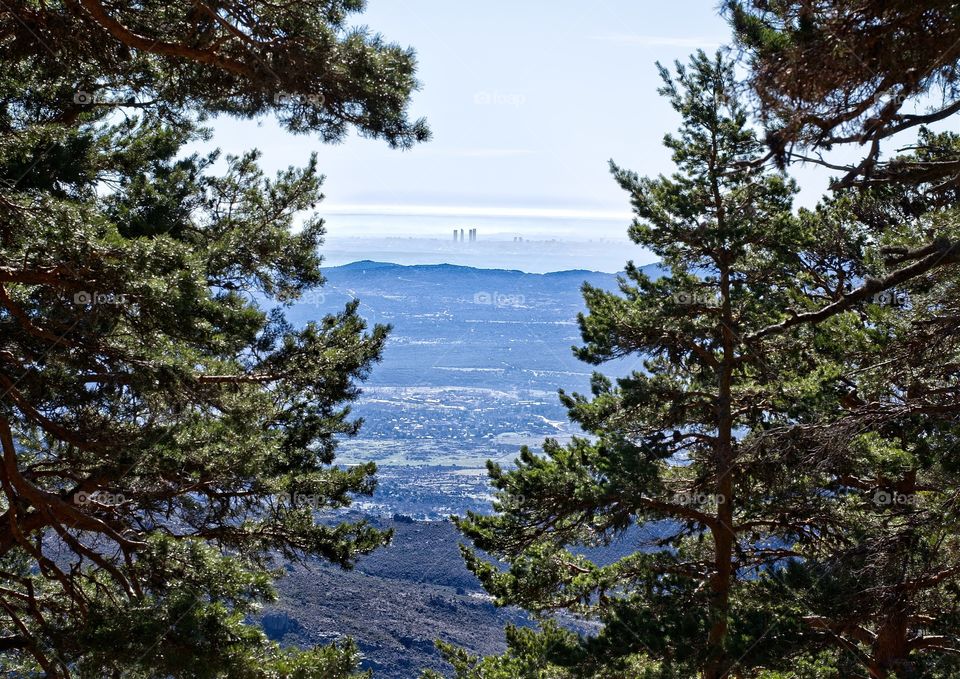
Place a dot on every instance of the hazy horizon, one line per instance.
(494, 251)
(520, 145)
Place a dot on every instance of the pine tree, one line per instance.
(861, 74)
(668, 446)
(879, 584)
(873, 76)
(166, 434)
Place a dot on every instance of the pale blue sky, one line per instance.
(527, 101)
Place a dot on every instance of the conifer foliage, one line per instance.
(165, 432)
(666, 445)
(859, 74)
(779, 474)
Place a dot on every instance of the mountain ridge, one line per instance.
(369, 264)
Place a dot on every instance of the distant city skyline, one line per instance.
(527, 103)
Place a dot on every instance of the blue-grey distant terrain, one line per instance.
(470, 373)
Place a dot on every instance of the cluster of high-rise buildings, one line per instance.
(458, 235)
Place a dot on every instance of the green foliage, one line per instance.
(302, 62)
(786, 446)
(825, 75)
(167, 434)
(663, 447)
(529, 655)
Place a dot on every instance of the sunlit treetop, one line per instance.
(303, 61)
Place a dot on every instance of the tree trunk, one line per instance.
(724, 538)
(891, 648)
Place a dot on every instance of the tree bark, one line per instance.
(723, 536)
